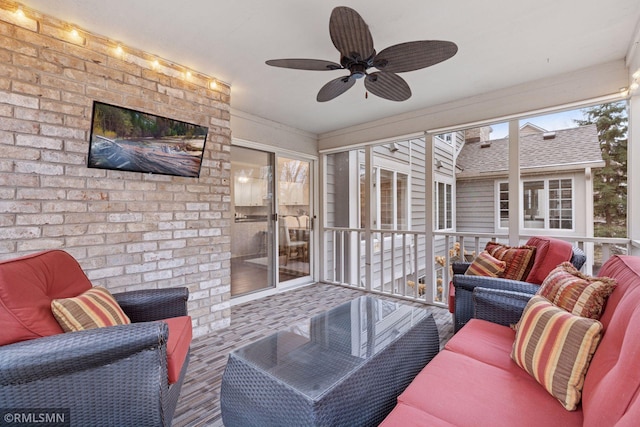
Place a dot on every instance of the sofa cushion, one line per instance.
(549, 254)
(95, 308)
(486, 342)
(486, 265)
(180, 335)
(408, 416)
(27, 286)
(626, 271)
(466, 392)
(555, 347)
(577, 293)
(611, 390)
(519, 260)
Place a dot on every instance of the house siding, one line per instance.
(390, 254)
(477, 209)
(475, 206)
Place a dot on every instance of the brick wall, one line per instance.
(128, 230)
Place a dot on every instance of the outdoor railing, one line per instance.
(416, 266)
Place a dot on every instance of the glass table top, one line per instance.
(315, 356)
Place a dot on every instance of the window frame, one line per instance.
(376, 198)
(449, 205)
(547, 202)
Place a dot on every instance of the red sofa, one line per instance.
(128, 374)
(474, 381)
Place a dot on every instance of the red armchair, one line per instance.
(549, 253)
(128, 374)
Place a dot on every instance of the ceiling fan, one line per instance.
(351, 36)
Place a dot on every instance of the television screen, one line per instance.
(128, 140)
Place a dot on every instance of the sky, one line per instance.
(557, 121)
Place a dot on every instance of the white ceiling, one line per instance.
(501, 43)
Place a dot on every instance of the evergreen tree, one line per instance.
(610, 182)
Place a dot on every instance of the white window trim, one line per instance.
(402, 169)
(546, 180)
(498, 219)
(444, 140)
(441, 179)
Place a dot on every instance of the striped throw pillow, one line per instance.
(519, 260)
(94, 308)
(486, 265)
(555, 347)
(577, 293)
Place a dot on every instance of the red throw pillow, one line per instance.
(519, 260)
(550, 253)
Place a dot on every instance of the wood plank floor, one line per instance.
(199, 403)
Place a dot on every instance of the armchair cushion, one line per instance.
(550, 253)
(555, 347)
(486, 265)
(519, 260)
(575, 292)
(95, 308)
(27, 286)
(180, 331)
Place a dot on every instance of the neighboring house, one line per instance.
(556, 170)
(470, 196)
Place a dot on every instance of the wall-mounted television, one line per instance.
(129, 140)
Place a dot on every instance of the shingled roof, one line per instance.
(575, 148)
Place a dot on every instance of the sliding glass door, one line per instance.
(295, 221)
(252, 236)
(271, 231)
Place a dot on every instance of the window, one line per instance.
(446, 137)
(560, 204)
(443, 208)
(504, 204)
(391, 197)
(534, 204)
(546, 204)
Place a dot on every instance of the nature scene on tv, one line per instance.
(129, 140)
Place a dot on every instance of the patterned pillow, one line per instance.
(577, 293)
(555, 347)
(519, 260)
(94, 308)
(486, 265)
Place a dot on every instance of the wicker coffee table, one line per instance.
(345, 369)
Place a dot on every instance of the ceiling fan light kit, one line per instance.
(352, 38)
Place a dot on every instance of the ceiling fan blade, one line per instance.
(388, 86)
(305, 64)
(335, 88)
(350, 34)
(411, 56)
